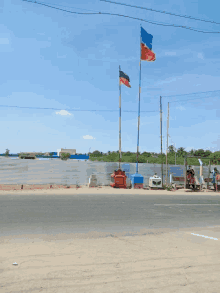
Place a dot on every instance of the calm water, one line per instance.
(55, 171)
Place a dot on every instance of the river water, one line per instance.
(56, 171)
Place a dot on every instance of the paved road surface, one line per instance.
(52, 214)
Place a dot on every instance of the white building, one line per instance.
(70, 151)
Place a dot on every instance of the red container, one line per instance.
(118, 179)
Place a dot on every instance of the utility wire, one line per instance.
(121, 15)
(189, 100)
(185, 100)
(191, 94)
(75, 110)
(160, 11)
(68, 6)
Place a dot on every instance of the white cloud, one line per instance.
(168, 80)
(63, 113)
(170, 53)
(88, 137)
(200, 56)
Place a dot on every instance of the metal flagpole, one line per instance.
(119, 119)
(161, 139)
(167, 141)
(139, 105)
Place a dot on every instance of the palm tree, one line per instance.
(181, 151)
(171, 149)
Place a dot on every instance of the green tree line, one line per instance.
(156, 158)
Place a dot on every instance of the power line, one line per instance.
(121, 15)
(68, 6)
(64, 10)
(185, 100)
(191, 94)
(73, 110)
(160, 11)
(189, 100)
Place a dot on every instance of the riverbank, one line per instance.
(85, 189)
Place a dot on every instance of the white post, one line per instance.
(201, 173)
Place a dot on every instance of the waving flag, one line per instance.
(124, 78)
(146, 46)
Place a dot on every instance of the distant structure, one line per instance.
(70, 151)
(31, 153)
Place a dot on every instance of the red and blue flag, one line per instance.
(146, 46)
(124, 78)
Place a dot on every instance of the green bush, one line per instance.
(64, 156)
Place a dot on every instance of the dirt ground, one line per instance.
(74, 189)
(160, 261)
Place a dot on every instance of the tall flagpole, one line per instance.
(168, 114)
(119, 119)
(139, 105)
(161, 139)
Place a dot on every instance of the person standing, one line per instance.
(190, 177)
(214, 172)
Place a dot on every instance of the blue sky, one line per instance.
(53, 59)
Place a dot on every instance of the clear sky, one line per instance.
(54, 59)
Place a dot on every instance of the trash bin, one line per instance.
(137, 181)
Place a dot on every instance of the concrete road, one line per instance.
(159, 260)
(53, 214)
